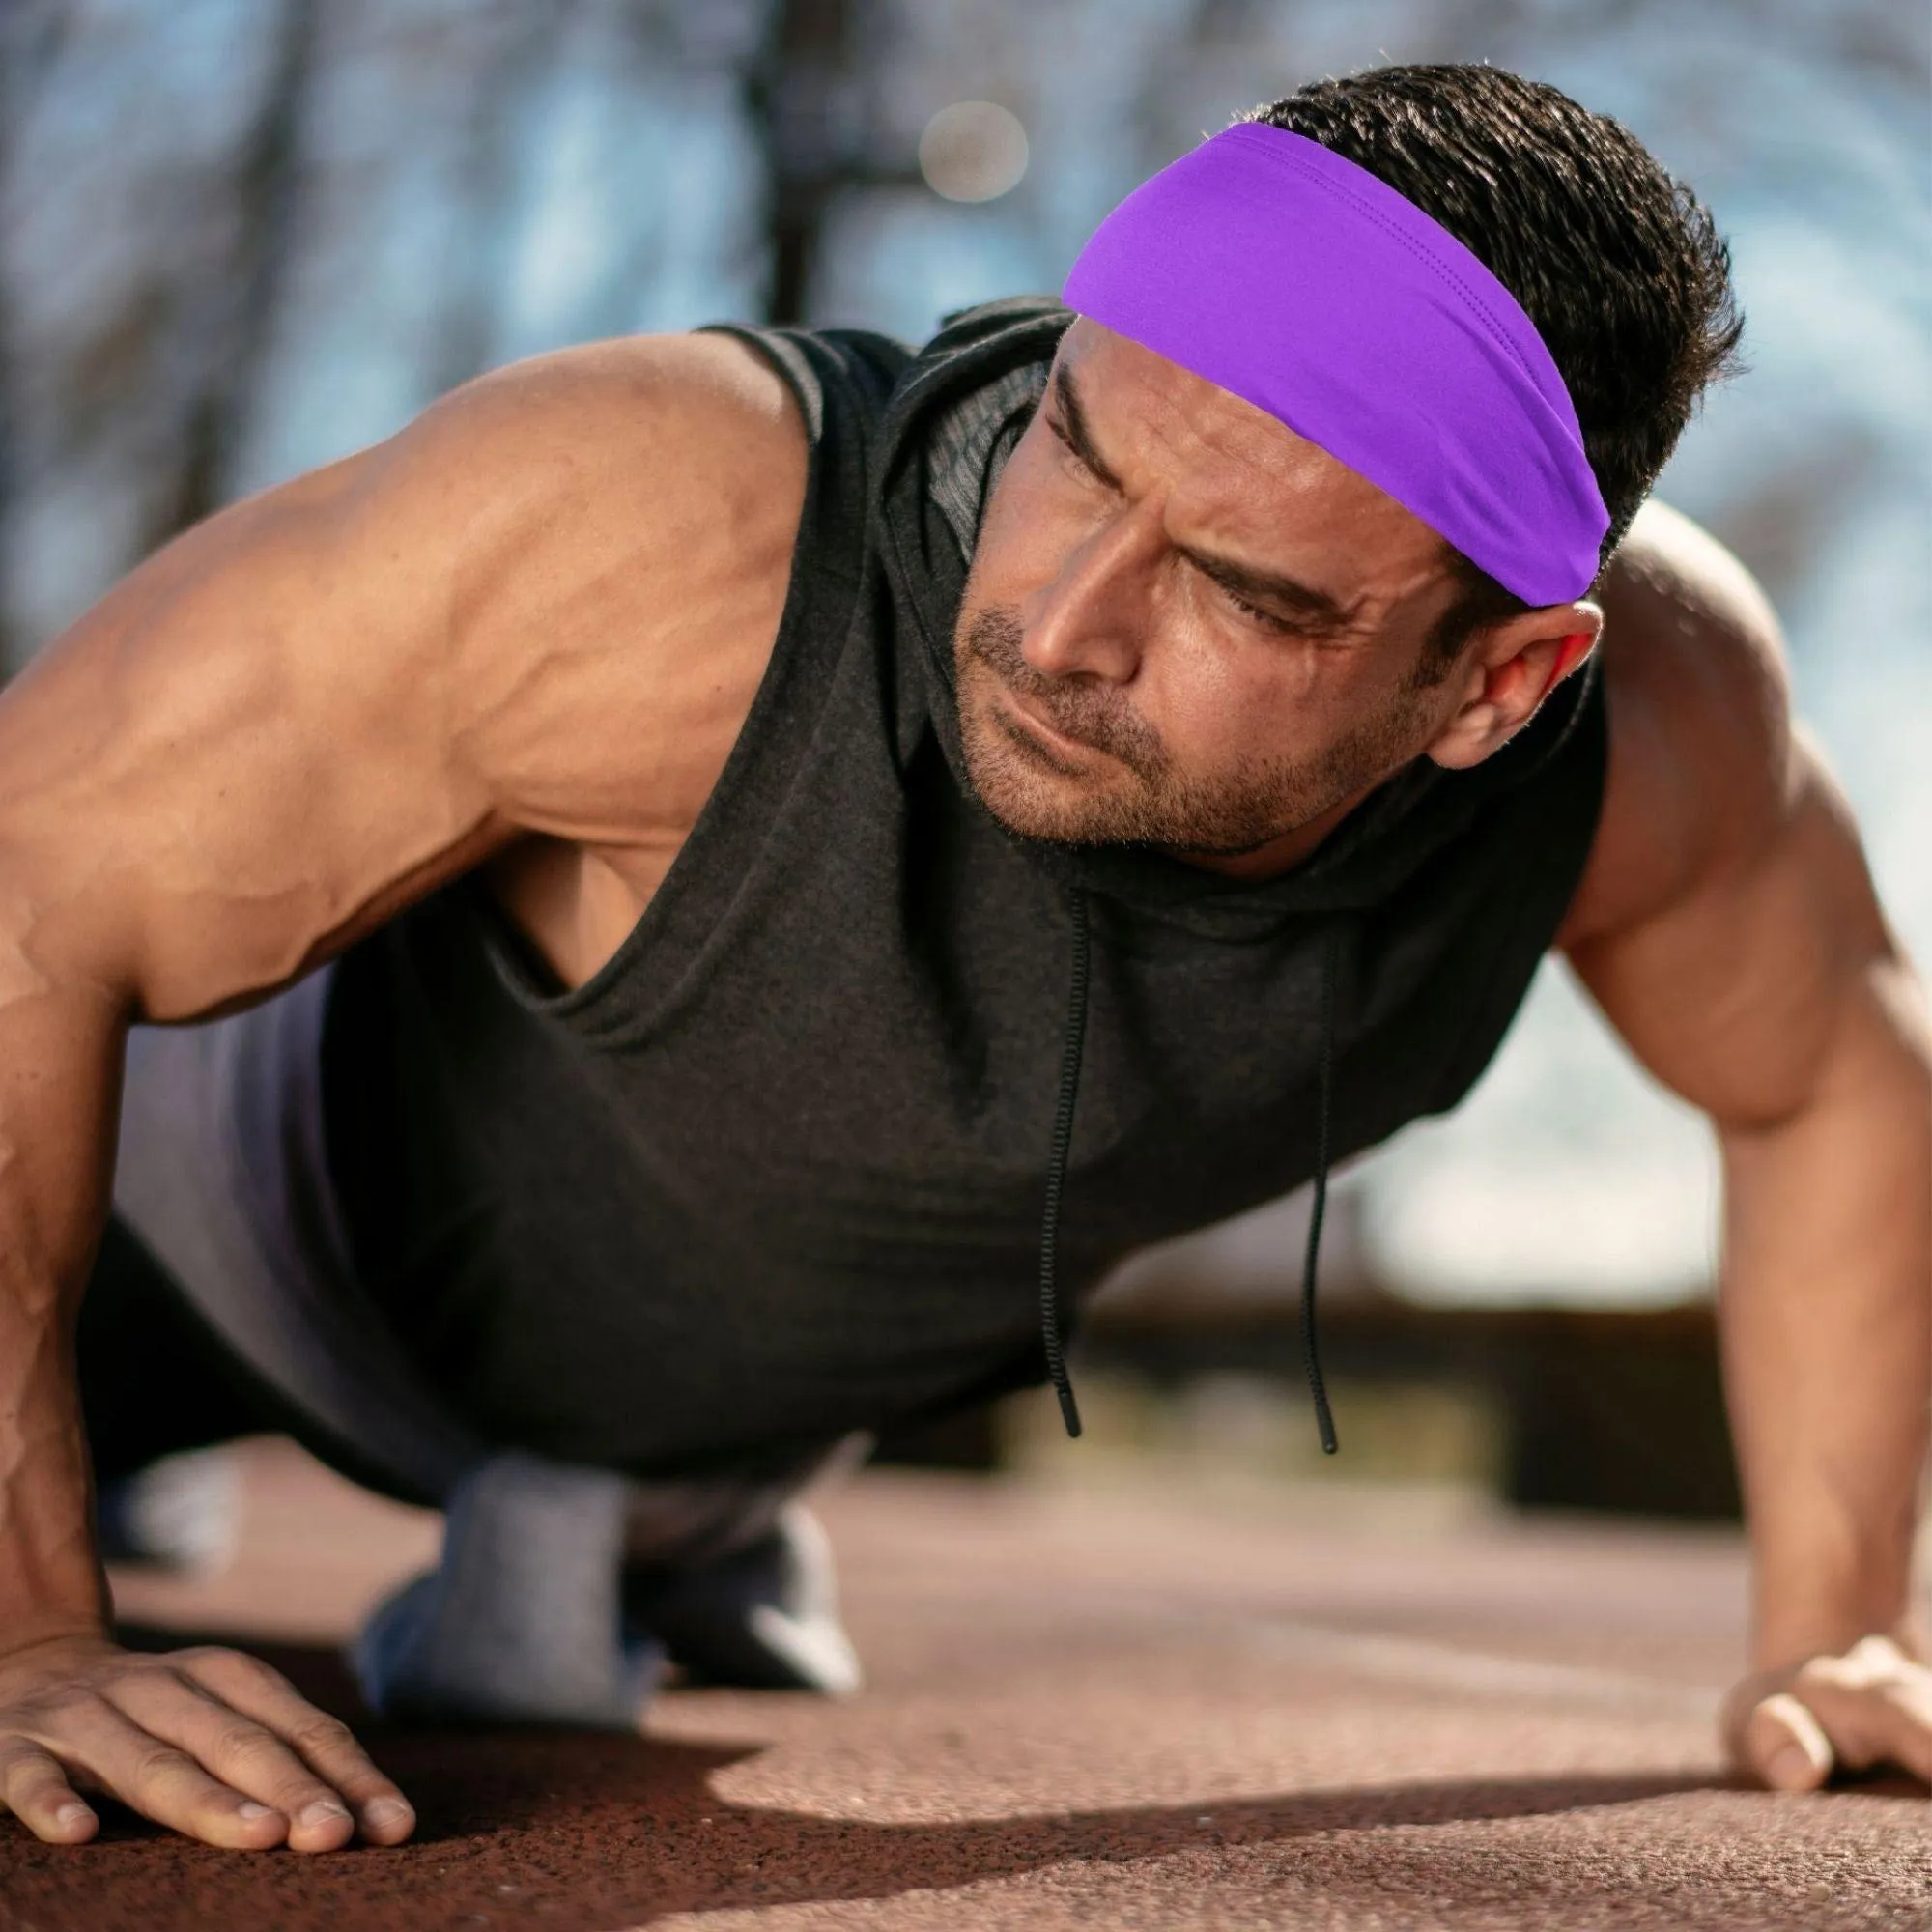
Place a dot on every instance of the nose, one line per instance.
(1092, 617)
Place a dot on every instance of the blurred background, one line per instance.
(239, 238)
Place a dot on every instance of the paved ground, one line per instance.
(1120, 1707)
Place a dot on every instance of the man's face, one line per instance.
(1135, 662)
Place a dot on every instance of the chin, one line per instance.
(1024, 805)
(1027, 799)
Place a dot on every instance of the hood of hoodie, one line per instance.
(955, 414)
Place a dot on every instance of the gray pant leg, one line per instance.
(221, 1170)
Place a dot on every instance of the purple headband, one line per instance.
(1308, 286)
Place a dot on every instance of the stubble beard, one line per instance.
(1144, 800)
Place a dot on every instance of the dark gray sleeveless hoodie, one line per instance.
(777, 1170)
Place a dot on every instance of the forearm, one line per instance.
(59, 1065)
(1826, 1320)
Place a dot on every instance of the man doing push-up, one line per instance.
(722, 881)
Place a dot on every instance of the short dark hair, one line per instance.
(1615, 261)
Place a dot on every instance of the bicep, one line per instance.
(1727, 922)
(1736, 993)
(231, 764)
(322, 702)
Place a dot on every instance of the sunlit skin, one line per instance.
(520, 639)
(1133, 665)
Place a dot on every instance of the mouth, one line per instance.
(1019, 721)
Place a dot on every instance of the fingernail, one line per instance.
(386, 1811)
(1790, 1765)
(250, 1810)
(324, 1811)
(70, 1815)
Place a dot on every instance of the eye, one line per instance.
(1265, 618)
(1066, 441)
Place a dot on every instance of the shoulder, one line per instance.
(655, 450)
(610, 529)
(711, 391)
(1705, 769)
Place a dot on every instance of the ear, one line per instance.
(1510, 674)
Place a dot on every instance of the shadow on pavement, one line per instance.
(586, 1832)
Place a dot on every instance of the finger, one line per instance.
(1887, 1721)
(1874, 1660)
(158, 1779)
(34, 1787)
(328, 1745)
(1734, 1714)
(241, 1753)
(1905, 1735)
(1786, 1745)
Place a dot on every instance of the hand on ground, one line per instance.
(1872, 1704)
(214, 1743)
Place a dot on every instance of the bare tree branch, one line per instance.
(268, 183)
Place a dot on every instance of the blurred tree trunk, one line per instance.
(269, 196)
(30, 35)
(797, 87)
(810, 92)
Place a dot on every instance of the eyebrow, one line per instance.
(1310, 605)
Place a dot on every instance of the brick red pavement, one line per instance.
(1120, 1707)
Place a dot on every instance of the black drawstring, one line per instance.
(1056, 1168)
(1056, 1180)
(1321, 1207)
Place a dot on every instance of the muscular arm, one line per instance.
(525, 630)
(1728, 927)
